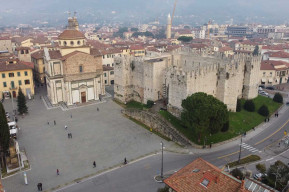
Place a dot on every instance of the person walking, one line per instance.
(65, 127)
(70, 135)
(57, 171)
(47, 122)
(125, 161)
(94, 164)
(54, 122)
(38, 186)
(97, 109)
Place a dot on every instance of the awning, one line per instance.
(263, 80)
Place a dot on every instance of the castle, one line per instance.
(174, 76)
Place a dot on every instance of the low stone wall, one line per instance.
(153, 121)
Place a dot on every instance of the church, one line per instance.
(73, 74)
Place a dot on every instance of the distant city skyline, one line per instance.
(193, 12)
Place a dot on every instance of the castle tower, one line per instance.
(169, 27)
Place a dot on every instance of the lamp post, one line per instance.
(240, 149)
(162, 167)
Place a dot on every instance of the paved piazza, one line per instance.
(103, 136)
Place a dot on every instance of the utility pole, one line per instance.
(162, 167)
(240, 149)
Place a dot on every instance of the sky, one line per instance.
(194, 12)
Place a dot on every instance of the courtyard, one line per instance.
(103, 136)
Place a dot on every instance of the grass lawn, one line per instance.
(245, 160)
(136, 105)
(240, 122)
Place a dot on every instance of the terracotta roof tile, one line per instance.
(190, 177)
(279, 54)
(19, 65)
(38, 54)
(71, 34)
(55, 54)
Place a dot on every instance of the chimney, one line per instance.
(242, 186)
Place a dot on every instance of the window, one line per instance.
(59, 42)
(80, 69)
(112, 64)
(25, 73)
(3, 75)
(105, 81)
(78, 42)
(64, 43)
(4, 84)
(19, 82)
(104, 74)
(107, 65)
(270, 74)
(205, 182)
(71, 43)
(18, 74)
(22, 52)
(12, 85)
(111, 72)
(27, 82)
(11, 74)
(26, 51)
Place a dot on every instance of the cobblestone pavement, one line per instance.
(103, 136)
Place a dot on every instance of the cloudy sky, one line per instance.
(34, 12)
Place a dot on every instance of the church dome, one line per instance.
(71, 34)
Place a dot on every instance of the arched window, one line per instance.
(64, 43)
(78, 42)
(59, 42)
(22, 51)
(71, 43)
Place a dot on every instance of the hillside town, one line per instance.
(120, 90)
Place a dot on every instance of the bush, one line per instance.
(225, 127)
(150, 104)
(263, 110)
(249, 106)
(239, 105)
(261, 168)
(237, 173)
(165, 189)
(278, 98)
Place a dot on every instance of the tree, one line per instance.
(237, 173)
(164, 189)
(185, 39)
(226, 127)
(277, 175)
(150, 103)
(261, 168)
(21, 102)
(256, 50)
(249, 106)
(278, 98)
(239, 105)
(263, 110)
(146, 34)
(120, 32)
(134, 29)
(204, 113)
(4, 130)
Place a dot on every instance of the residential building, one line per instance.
(23, 53)
(273, 72)
(137, 50)
(276, 56)
(15, 74)
(239, 31)
(108, 75)
(39, 68)
(201, 175)
(5, 44)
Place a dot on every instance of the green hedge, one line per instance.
(245, 160)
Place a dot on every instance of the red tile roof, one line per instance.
(55, 54)
(136, 47)
(71, 54)
(71, 34)
(223, 49)
(38, 54)
(270, 65)
(190, 177)
(279, 54)
(19, 65)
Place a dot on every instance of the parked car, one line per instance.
(263, 93)
(258, 176)
(270, 88)
(262, 86)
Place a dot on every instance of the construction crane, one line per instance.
(174, 12)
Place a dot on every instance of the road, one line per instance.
(138, 176)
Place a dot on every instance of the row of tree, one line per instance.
(4, 128)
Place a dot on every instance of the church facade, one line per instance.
(73, 74)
